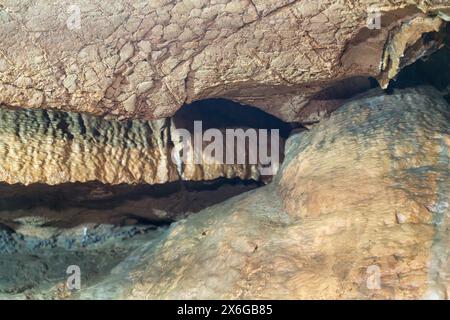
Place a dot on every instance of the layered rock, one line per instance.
(53, 147)
(141, 59)
(359, 210)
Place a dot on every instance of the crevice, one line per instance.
(74, 204)
(427, 70)
(93, 221)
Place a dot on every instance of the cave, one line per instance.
(225, 150)
(46, 224)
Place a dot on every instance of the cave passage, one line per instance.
(48, 226)
(73, 204)
(70, 205)
(427, 71)
(223, 113)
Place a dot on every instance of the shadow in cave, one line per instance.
(71, 204)
(433, 70)
(223, 113)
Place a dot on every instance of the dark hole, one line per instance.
(222, 113)
(93, 202)
(432, 70)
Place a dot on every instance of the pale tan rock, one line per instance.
(54, 147)
(344, 185)
(411, 33)
(277, 55)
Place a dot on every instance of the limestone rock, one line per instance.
(54, 147)
(359, 210)
(141, 59)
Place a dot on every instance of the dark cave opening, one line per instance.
(223, 113)
(432, 69)
(94, 224)
(426, 71)
(29, 210)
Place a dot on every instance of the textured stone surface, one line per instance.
(146, 58)
(370, 192)
(366, 189)
(53, 147)
(44, 229)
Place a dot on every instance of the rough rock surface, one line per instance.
(53, 147)
(356, 197)
(44, 229)
(142, 58)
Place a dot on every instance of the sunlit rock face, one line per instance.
(359, 210)
(54, 147)
(141, 59)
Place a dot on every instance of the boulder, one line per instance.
(359, 210)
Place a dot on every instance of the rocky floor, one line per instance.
(36, 268)
(44, 230)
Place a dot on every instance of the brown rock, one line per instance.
(54, 147)
(366, 195)
(137, 59)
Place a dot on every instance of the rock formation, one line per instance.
(141, 59)
(364, 192)
(53, 147)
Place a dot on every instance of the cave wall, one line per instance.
(364, 189)
(55, 147)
